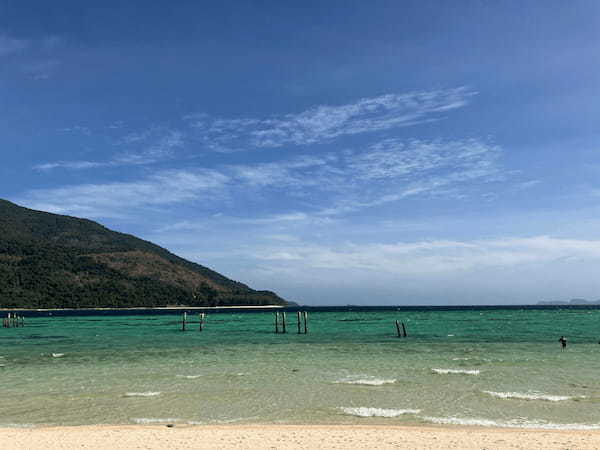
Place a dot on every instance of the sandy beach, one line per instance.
(293, 437)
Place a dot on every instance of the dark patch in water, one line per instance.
(359, 320)
(34, 336)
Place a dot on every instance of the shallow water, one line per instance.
(489, 367)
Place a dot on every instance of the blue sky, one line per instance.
(335, 152)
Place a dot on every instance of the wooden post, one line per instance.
(398, 328)
(276, 322)
(403, 329)
(299, 329)
(283, 321)
(201, 320)
(183, 321)
(305, 322)
(22, 321)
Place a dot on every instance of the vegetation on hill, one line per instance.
(53, 261)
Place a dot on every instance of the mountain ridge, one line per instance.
(51, 260)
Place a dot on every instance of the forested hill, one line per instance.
(53, 261)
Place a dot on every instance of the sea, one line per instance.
(475, 366)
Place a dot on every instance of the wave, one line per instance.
(147, 420)
(58, 355)
(455, 371)
(532, 396)
(378, 412)
(142, 394)
(16, 425)
(368, 381)
(516, 423)
(189, 377)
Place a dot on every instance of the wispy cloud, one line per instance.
(76, 129)
(10, 45)
(325, 122)
(34, 58)
(40, 70)
(74, 165)
(316, 125)
(163, 147)
(114, 199)
(327, 185)
(422, 257)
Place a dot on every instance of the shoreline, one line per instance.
(144, 308)
(268, 436)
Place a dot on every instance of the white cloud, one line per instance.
(163, 147)
(325, 122)
(112, 199)
(10, 45)
(75, 165)
(424, 258)
(309, 266)
(319, 187)
(40, 70)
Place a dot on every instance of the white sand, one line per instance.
(291, 437)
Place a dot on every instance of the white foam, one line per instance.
(142, 394)
(461, 359)
(455, 371)
(367, 381)
(16, 425)
(189, 377)
(378, 412)
(147, 420)
(58, 355)
(531, 396)
(515, 423)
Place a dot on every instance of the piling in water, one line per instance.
(276, 322)
(403, 329)
(398, 329)
(283, 321)
(305, 314)
(183, 321)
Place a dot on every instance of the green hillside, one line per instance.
(53, 261)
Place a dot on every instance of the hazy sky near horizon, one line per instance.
(336, 152)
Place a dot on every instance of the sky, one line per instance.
(336, 152)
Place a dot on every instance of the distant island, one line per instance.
(54, 261)
(575, 301)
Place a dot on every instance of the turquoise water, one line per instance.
(481, 367)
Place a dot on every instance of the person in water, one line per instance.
(563, 342)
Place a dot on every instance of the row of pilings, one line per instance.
(13, 321)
